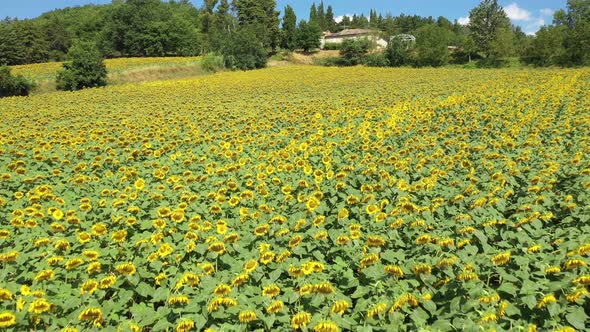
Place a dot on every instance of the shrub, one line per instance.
(376, 60)
(332, 46)
(13, 85)
(212, 63)
(353, 50)
(399, 53)
(331, 62)
(85, 69)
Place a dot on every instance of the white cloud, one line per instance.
(463, 20)
(547, 11)
(529, 22)
(516, 13)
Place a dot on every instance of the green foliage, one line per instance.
(313, 15)
(243, 50)
(332, 46)
(488, 27)
(11, 48)
(353, 50)
(399, 53)
(215, 25)
(261, 13)
(13, 85)
(329, 19)
(151, 28)
(375, 60)
(308, 36)
(289, 32)
(566, 42)
(85, 69)
(22, 42)
(577, 40)
(212, 63)
(546, 49)
(431, 46)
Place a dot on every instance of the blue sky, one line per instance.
(529, 14)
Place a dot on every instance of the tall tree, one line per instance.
(431, 46)
(31, 35)
(488, 25)
(262, 15)
(12, 49)
(444, 23)
(547, 48)
(221, 25)
(321, 16)
(289, 31)
(313, 15)
(345, 23)
(577, 41)
(373, 19)
(308, 36)
(330, 22)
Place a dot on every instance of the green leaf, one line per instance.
(577, 318)
(509, 288)
(144, 289)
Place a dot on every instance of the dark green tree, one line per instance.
(221, 25)
(489, 27)
(308, 36)
(373, 19)
(313, 15)
(444, 23)
(31, 36)
(11, 47)
(432, 46)
(330, 23)
(262, 15)
(322, 16)
(577, 40)
(399, 52)
(85, 68)
(13, 85)
(547, 48)
(352, 51)
(58, 38)
(289, 31)
(153, 28)
(346, 23)
(243, 50)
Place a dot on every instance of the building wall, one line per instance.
(381, 43)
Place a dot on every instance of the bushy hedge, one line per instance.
(375, 60)
(332, 46)
(13, 85)
(85, 69)
(212, 63)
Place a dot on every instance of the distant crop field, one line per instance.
(300, 198)
(48, 71)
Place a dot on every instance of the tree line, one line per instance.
(245, 32)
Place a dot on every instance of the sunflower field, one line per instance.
(300, 198)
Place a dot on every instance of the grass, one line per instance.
(120, 71)
(155, 73)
